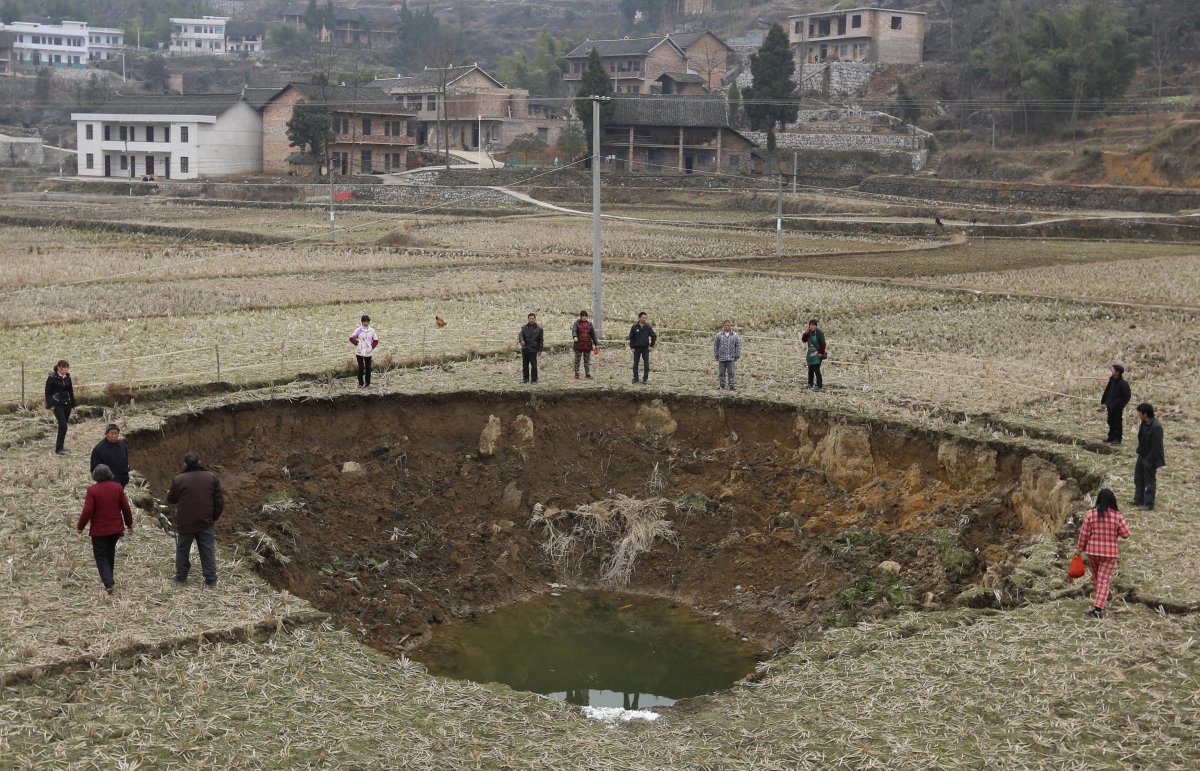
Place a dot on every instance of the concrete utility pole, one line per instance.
(597, 299)
(779, 217)
(332, 227)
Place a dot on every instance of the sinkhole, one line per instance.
(427, 523)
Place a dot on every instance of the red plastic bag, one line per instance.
(1076, 570)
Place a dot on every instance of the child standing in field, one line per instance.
(364, 341)
(107, 509)
(1101, 528)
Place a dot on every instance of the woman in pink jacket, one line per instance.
(1102, 527)
(107, 509)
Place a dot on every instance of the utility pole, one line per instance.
(795, 168)
(332, 227)
(597, 298)
(779, 218)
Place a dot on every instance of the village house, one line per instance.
(177, 137)
(675, 135)
(372, 132)
(878, 35)
(480, 111)
(202, 36)
(49, 45)
(7, 39)
(352, 27)
(707, 55)
(634, 64)
(681, 83)
(246, 37)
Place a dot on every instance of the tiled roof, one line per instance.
(236, 29)
(431, 77)
(184, 104)
(637, 46)
(685, 39)
(699, 111)
(682, 77)
(364, 99)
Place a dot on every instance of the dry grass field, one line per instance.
(248, 676)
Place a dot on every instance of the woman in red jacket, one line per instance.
(107, 509)
(1102, 526)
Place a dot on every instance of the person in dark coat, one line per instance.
(1115, 397)
(642, 338)
(199, 501)
(532, 340)
(1150, 458)
(585, 343)
(60, 397)
(107, 510)
(814, 354)
(112, 452)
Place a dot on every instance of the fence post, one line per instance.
(281, 344)
(22, 383)
(217, 350)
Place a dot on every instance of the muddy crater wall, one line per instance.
(398, 513)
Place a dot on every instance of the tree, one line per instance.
(312, 16)
(768, 100)
(909, 108)
(155, 75)
(441, 54)
(10, 11)
(1078, 55)
(734, 98)
(310, 127)
(594, 82)
(571, 142)
(526, 144)
(41, 85)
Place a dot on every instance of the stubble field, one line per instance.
(988, 339)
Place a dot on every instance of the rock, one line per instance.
(977, 597)
(351, 467)
(889, 567)
(1044, 500)
(655, 420)
(510, 502)
(505, 524)
(553, 512)
(489, 439)
(522, 430)
(967, 466)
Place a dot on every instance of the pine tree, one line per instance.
(768, 101)
(593, 82)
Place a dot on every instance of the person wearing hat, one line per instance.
(585, 342)
(112, 452)
(107, 510)
(1115, 397)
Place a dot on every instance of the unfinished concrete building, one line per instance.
(878, 35)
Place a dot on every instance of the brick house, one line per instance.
(634, 64)
(372, 132)
(675, 135)
(480, 110)
(707, 55)
(878, 35)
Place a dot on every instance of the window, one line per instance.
(577, 67)
(107, 133)
(166, 133)
(366, 124)
(897, 21)
(87, 130)
(431, 102)
(183, 165)
(91, 161)
(124, 162)
(735, 161)
(797, 27)
(366, 161)
(183, 133)
(544, 134)
(124, 134)
(149, 133)
(414, 101)
(856, 21)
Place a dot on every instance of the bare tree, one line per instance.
(440, 54)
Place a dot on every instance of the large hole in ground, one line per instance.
(400, 514)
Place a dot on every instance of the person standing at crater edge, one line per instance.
(1150, 458)
(727, 350)
(199, 501)
(60, 397)
(642, 338)
(815, 353)
(364, 341)
(585, 342)
(1098, 535)
(1116, 395)
(112, 451)
(532, 340)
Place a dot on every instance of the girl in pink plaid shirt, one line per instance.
(1098, 536)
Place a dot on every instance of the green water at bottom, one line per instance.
(583, 648)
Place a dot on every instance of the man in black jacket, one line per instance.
(111, 451)
(532, 340)
(642, 338)
(1150, 458)
(199, 501)
(1115, 397)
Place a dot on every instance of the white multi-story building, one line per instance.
(205, 35)
(177, 137)
(54, 45)
(105, 43)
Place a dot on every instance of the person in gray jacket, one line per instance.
(1150, 458)
(727, 349)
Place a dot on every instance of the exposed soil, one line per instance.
(782, 517)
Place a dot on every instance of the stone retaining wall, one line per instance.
(1028, 195)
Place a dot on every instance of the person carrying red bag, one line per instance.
(1098, 539)
(364, 341)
